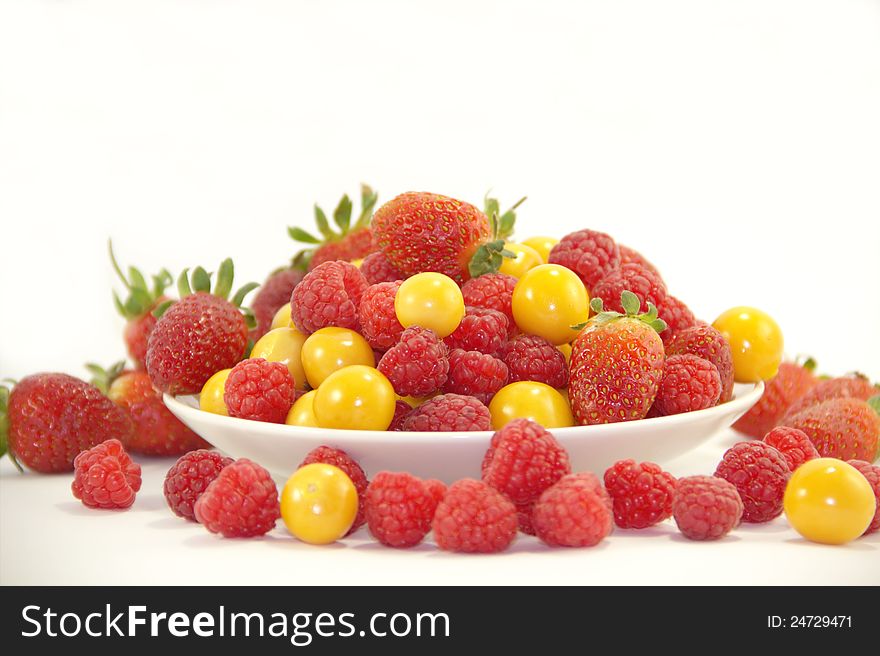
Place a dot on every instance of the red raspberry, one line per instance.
(376, 268)
(379, 323)
(588, 253)
(339, 458)
(574, 512)
(493, 291)
(648, 286)
(641, 493)
(706, 507)
(794, 445)
(872, 474)
(760, 475)
(105, 477)
(474, 518)
(436, 488)
(709, 344)
(481, 329)
(677, 316)
(329, 295)
(259, 390)
(417, 365)
(475, 374)
(242, 502)
(529, 357)
(632, 256)
(524, 517)
(402, 410)
(449, 412)
(271, 295)
(790, 383)
(689, 383)
(853, 386)
(189, 477)
(399, 508)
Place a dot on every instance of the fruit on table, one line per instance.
(328, 349)
(530, 400)
(759, 473)
(542, 244)
(302, 412)
(211, 396)
(281, 319)
(781, 393)
(474, 517)
(339, 458)
(641, 493)
(573, 512)
(855, 386)
(241, 502)
(548, 300)
(829, 501)
(189, 477)
(356, 397)
(844, 428)
(706, 507)
(794, 445)
(286, 345)
(399, 508)
(105, 477)
(329, 295)
(430, 300)
(872, 475)
(755, 342)
(524, 258)
(319, 503)
(273, 295)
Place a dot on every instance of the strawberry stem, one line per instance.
(631, 306)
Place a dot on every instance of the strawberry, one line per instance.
(616, 363)
(844, 428)
(50, 418)
(352, 242)
(855, 386)
(157, 432)
(137, 309)
(792, 381)
(271, 295)
(200, 334)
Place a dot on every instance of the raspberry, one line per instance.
(241, 502)
(709, 344)
(271, 295)
(449, 412)
(474, 518)
(402, 409)
(259, 390)
(379, 323)
(417, 365)
(475, 374)
(574, 512)
(677, 316)
(523, 460)
(760, 475)
(189, 477)
(481, 329)
(641, 493)
(399, 508)
(329, 295)
(631, 256)
(689, 383)
(376, 268)
(706, 507)
(529, 357)
(649, 287)
(524, 517)
(105, 477)
(872, 474)
(794, 445)
(493, 291)
(436, 488)
(339, 458)
(588, 253)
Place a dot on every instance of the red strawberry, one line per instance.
(616, 364)
(855, 386)
(848, 429)
(51, 418)
(271, 295)
(200, 334)
(791, 382)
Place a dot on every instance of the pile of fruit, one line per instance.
(425, 316)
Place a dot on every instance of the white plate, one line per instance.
(450, 456)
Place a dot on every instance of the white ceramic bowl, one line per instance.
(450, 456)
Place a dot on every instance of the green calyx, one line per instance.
(631, 306)
(4, 428)
(489, 256)
(342, 216)
(103, 378)
(874, 402)
(141, 296)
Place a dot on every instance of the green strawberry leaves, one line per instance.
(103, 378)
(631, 306)
(874, 402)
(502, 224)
(489, 256)
(4, 428)
(141, 296)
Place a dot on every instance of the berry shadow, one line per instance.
(377, 547)
(77, 508)
(678, 537)
(151, 503)
(855, 545)
(656, 531)
(173, 522)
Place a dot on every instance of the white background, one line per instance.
(737, 144)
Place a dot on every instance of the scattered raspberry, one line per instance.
(677, 316)
(529, 357)
(259, 390)
(872, 474)
(378, 319)
(474, 518)
(706, 342)
(689, 383)
(632, 256)
(524, 517)
(789, 384)
(793, 444)
(376, 268)
(481, 329)
(271, 295)
(853, 386)
(436, 488)
(417, 365)
(329, 295)
(475, 374)
(189, 477)
(574, 512)
(649, 287)
(399, 508)
(493, 291)
(588, 253)
(845, 428)
(759, 473)
(706, 507)
(105, 477)
(641, 493)
(402, 410)
(339, 458)
(449, 412)
(242, 502)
